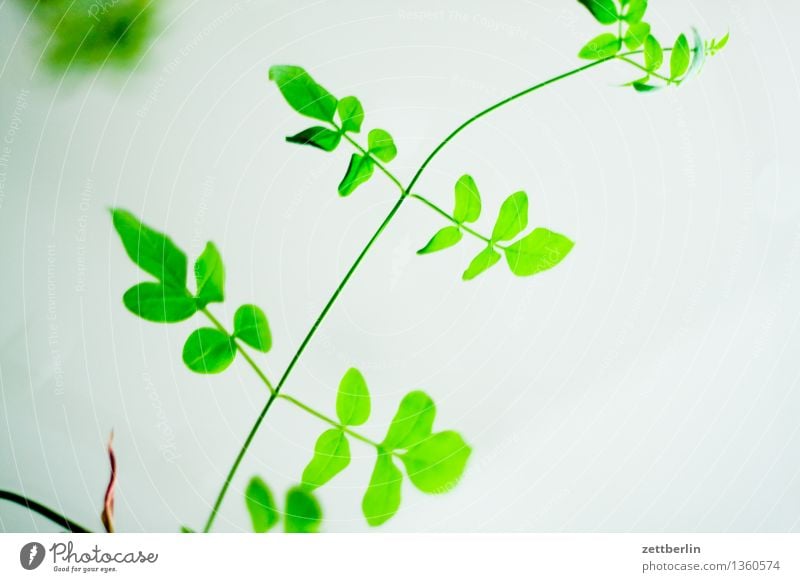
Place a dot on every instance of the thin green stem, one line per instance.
(329, 420)
(44, 511)
(375, 161)
(449, 217)
(348, 275)
(645, 69)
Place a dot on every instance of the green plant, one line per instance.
(433, 460)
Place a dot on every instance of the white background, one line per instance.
(649, 383)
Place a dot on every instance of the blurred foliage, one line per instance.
(84, 34)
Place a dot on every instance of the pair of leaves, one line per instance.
(536, 252)
(434, 462)
(208, 350)
(605, 11)
(332, 449)
(310, 98)
(684, 61)
(303, 513)
(167, 300)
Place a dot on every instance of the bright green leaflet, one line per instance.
(208, 351)
(351, 114)
(679, 61)
(485, 259)
(358, 172)
(260, 505)
(653, 54)
(352, 400)
(636, 35)
(412, 422)
(210, 275)
(601, 47)
(443, 239)
(303, 513)
(318, 137)
(468, 200)
(540, 250)
(152, 251)
(435, 465)
(251, 326)
(381, 145)
(382, 498)
(331, 456)
(155, 302)
(513, 217)
(636, 10)
(304, 94)
(605, 11)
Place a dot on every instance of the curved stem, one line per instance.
(404, 193)
(44, 511)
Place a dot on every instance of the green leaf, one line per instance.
(436, 464)
(251, 326)
(443, 239)
(351, 114)
(636, 35)
(154, 252)
(185, 529)
(210, 275)
(381, 145)
(679, 61)
(698, 55)
(468, 200)
(155, 302)
(601, 47)
(540, 250)
(208, 351)
(605, 11)
(303, 93)
(382, 498)
(718, 45)
(412, 422)
(352, 400)
(513, 217)
(485, 259)
(331, 455)
(644, 87)
(303, 513)
(319, 137)
(653, 53)
(260, 505)
(636, 10)
(358, 172)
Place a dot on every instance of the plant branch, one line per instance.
(645, 69)
(329, 420)
(44, 511)
(449, 217)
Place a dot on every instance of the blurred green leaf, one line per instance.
(443, 239)
(698, 55)
(381, 145)
(260, 505)
(210, 275)
(155, 302)
(513, 217)
(358, 172)
(485, 259)
(653, 53)
(154, 252)
(718, 45)
(540, 250)
(185, 529)
(352, 400)
(382, 498)
(435, 464)
(319, 137)
(601, 47)
(644, 87)
(303, 512)
(208, 351)
(351, 114)
(304, 94)
(635, 11)
(605, 11)
(636, 35)
(679, 61)
(331, 455)
(412, 422)
(468, 200)
(251, 326)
